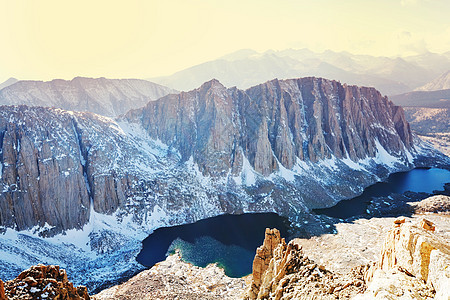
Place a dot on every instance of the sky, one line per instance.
(47, 39)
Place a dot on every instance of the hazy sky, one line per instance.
(49, 39)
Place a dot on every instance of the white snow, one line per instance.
(352, 165)
(248, 174)
(383, 157)
(329, 163)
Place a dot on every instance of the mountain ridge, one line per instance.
(109, 97)
(440, 83)
(245, 68)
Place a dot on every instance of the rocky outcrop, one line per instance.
(176, 279)
(108, 97)
(263, 257)
(44, 282)
(282, 271)
(2, 290)
(413, 255)
(434, 204)
(278, 122)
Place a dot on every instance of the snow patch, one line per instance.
(383, 157)
(353, 165)
(248, 174)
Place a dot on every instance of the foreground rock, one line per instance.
(282, 271)
(414, 260)
(42, 282)
(175, 279)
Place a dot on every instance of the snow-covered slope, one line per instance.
(108, 97)
(81, 190)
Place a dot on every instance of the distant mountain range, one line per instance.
(8, 82)
(430, 99)
(440, 83)
(108, 97)
(246, 68)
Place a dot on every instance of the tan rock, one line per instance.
(2, 291)
(415, 250)
(263, 257)
(292, 275)
(427, 225)
(399, 221)
(434, 204)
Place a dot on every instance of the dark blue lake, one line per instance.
(229, 240)
(416, 180)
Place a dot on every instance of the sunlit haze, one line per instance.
(49, 39)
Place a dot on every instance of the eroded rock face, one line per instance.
(275, 123)
(44, 282)
(412, 249)
(284, 272)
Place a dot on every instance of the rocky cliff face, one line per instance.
(276, 124)
(236, 142)
(108, 97)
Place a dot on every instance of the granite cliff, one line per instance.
(101, 185)
(276, 124)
